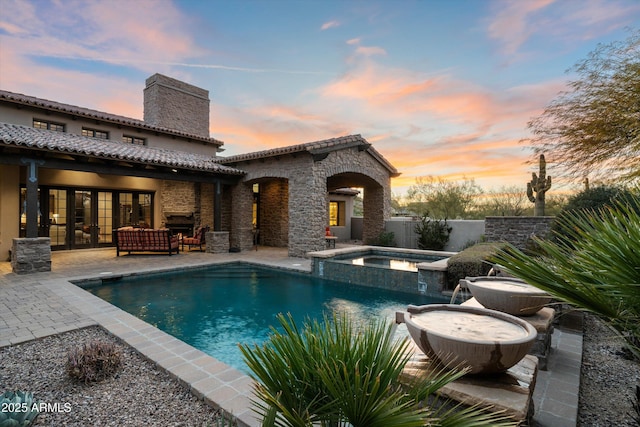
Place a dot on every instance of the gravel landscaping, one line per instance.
(141, 394)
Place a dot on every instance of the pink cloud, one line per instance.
(330, 24)
(511, 25)
(515, 22)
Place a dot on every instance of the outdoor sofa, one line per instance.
(131, 239)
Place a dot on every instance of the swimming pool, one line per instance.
(216, 308)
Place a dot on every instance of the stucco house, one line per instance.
(74, 175)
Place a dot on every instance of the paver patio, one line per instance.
(41, 304)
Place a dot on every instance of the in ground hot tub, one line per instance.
(406, 270)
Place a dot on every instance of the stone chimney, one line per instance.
(176, 105)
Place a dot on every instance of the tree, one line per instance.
(505, 201)
(593, 129)
(443, 199)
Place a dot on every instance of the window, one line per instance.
(95, 133)
(133, 140)
(337, 213)
(42, 124)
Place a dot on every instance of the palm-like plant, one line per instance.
(333, 374)
(594, 264)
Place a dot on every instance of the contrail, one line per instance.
(183, 64)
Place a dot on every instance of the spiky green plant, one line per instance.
(594, 264)
(331, 373)
(19, 409)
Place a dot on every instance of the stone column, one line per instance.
(31, 255)
(217, 242)
(241, 235)
(374, 212)
(307, 212)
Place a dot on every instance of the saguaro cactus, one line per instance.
(539, 185)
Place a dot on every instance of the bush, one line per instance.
(472, 262)
(386, 238)
(337, 373)
(93, 362)
(592, 201)
(432, 234)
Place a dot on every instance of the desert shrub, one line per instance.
(386, 238)
(592, 201)
(19, 409)
(433, 234)
(472, 262)
(337, 373)
(93, 362)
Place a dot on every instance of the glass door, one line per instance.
(105, 218)
(82, 227)
(58, 218)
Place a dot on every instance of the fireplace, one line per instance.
(180, 222)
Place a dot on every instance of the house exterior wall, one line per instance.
(74, 124)
(9, 208)
(11, 177)
(343, 232)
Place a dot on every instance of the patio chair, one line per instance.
(198, 238)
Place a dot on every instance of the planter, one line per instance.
(482, 340)
(508, 295)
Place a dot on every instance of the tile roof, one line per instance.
(19, 98)
(60, 142)
(315, 147)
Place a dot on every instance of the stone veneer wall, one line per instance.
(31, 255)
(308, 197)
(177, 105)
(179, 196)
(274, 213)
(206, 205)
(516, 230)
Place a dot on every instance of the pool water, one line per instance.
(216, 308)
(388, 262)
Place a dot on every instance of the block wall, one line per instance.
(516, 230)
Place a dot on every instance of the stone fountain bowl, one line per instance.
(510, 295)
(482, 340)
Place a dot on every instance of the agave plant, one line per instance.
(594, 264)
(331, 373)
(19, 409)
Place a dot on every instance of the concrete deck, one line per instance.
(41, 304)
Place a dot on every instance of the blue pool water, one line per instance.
(214, 309)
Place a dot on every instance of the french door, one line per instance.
(76, 218)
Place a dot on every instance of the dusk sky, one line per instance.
(441, 88)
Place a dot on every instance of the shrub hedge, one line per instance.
(472, 262)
